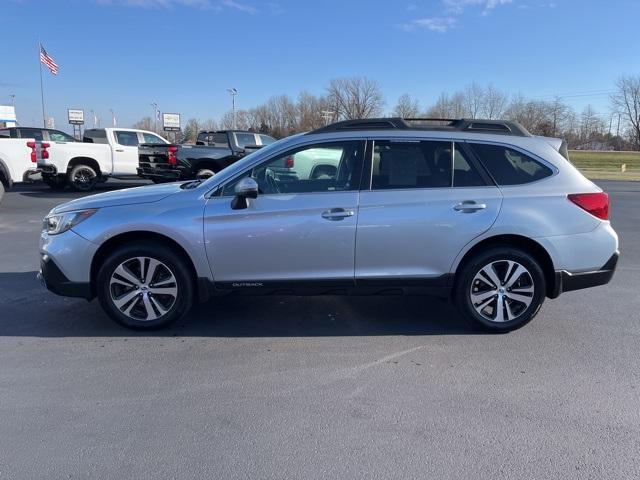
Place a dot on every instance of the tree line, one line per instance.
(361, 97)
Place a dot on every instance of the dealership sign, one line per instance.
(76, 117)
(171, 122)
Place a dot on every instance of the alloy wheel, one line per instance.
(502, 290)
(143, 288)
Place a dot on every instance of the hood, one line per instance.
(128, 196)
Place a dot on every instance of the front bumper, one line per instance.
(567, 281)
(65, 264)
(55, 281)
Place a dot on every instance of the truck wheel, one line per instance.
(205, 173)
(145, 286)
(501, 289)
(83, 178)
(54, 182)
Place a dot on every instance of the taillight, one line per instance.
(597, 204)
(32, 146)
(288, 162)
(172, 159)
(44, 153)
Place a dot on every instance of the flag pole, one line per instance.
(44, 118)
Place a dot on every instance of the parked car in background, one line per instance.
(213, 151)
(38, 134)
(478, 211)
(17, 161)
(103, 153)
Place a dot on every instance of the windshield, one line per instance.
(240, 165)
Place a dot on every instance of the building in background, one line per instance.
(8, 116)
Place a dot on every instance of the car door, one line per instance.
(426, 200)
(125, 152)
(300, 229)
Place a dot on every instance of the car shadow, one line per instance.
(28, 310)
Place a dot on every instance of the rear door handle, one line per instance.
(469, 206)
(337, 214)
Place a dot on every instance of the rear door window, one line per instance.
(266, 139)
(127, 139)
(32, 133)
(508, 166)
(245, 139)
(411, 164)
(464, 173)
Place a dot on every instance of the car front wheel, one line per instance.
(501, 289)
(145, 286)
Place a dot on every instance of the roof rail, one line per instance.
(502, 127)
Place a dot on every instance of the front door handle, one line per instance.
(337, 214)
(119, 150)
(469, 206)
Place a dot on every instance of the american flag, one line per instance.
(48, 61)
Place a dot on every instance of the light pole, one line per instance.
(113, 117)
(155, 116)
(95, 118)
(233, 92)
(13, 104)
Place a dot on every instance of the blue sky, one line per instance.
(183, 54)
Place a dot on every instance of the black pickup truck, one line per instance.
(213, 151)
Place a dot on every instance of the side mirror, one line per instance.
(245, 188)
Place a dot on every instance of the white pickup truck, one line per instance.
(16, 161)
(103, 153)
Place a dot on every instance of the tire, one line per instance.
(55, 182)
(82, 178)
(521, 289)
(133, 301)
(205, 173)
(1, 191)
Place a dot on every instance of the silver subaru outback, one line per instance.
(479, 211)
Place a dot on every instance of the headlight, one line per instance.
(61, 222)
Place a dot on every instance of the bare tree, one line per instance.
(406, 107)
(144, 124)
(309, 110)
(626, 101)
(474, 99)
(357, 97)
(494, 102)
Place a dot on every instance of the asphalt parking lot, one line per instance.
(337, 387)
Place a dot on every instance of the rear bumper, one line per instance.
(55, 281)
(567, 281)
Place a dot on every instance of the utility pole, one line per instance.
(618, 129)
(233, 92)
(155, 116)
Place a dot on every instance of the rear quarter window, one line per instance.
(508, 166)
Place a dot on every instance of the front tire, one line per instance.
(83, 178)
(145, 286)
(500, 290)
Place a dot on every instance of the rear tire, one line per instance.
(500, 290)
(145, 286)
(83, 178)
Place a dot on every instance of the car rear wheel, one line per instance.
(83, 178)
(145, 286)
(501, 289)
